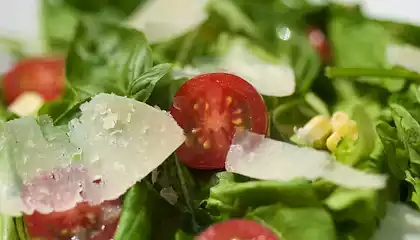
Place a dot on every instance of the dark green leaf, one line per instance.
(296, 223)
(142, 215)
(106, 57)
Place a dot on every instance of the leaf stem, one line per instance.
(335, 72)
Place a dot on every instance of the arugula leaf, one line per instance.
(235, 198)
(345, 31)
(394, 150)
(296, 223)
(106, 57)
(409, 132)
(355, 212)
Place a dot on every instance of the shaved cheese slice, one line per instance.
(404, 56)
(258, 157)
(115, 143)
(162, 20)
(27, 148)
(268, 78)
(400, 222)
(122, 141)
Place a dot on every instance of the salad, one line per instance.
(210, 120)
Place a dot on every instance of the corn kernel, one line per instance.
(315, 131)
(347, 129)
(332, 141)
(338, 119)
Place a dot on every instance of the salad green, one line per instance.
(125, 63)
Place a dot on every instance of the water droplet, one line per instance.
(283, 33)
(128, 117)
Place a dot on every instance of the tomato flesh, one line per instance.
(237, 229)
(211, 108)
(85, 221)
(319, 43)
(44, 75)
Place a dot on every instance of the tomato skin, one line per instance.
(320, 43)
(238, 229)
(210, 108)
(65, 225)
(44, 75)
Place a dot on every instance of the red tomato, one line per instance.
(209, 108)
(238, 229)
(320, 43)
(44, 75)
(97, 222)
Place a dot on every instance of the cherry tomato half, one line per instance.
(320, 43)
(238, 229)
(210, 107)
(85, 221)
(44, 75)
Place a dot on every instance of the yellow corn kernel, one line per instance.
(315, 131)
(338, 119)
(332, 141)
(347, 129)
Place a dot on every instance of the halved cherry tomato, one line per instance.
(210, 107)
(44, 75)
(85, 221)
(320, 43)
(238, 229)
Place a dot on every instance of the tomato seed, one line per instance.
(228, 100)
(206, 144)
(237, 121)
(195, 106)
(196, 130)
(237, 111)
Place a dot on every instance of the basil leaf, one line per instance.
(142, 215)
(142, 87)
(106, 57)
